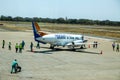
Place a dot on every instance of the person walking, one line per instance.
(3, 44)
(20, 48)
(23, 44)
(113, 46)
(31, 46)
(96, 44)
(38, 45)
(117, 48)
(9, 46)
(16, 47)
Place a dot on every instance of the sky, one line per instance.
(74, 9)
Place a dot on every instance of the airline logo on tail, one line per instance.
(37, 29)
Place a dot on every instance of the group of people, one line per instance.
(19, 47)
(37, 46)
(95, 45)
(114, 45)
(9, 45)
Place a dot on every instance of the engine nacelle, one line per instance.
(78, 41)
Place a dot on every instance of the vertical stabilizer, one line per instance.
(37, 26)
(36, 35)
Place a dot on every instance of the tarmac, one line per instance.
(100, 63)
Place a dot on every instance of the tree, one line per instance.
(18, 19)
(60, 20)
(3, 18)
(36, 19)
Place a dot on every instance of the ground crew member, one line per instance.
(9, 46)
(3, 44)
(16, 47)
(117, 48)
(31, 46)
(20, 48)
(14, 66)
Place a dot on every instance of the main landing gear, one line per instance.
(52, 46)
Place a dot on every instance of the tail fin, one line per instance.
(41, 33)
(37, 26)
(36, 35)
(37, 32)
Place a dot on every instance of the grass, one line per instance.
(95, 30)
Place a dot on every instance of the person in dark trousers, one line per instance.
(113, 46)
(16, 47)
(3, 44)
(20, 48)
(117, 48)
(38, 45)
(23, 44)
(96, 44)
(31, 46)
(9, 46)
(14, 63)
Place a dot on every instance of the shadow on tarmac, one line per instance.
(58, 49)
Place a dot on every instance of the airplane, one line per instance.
(57, 39)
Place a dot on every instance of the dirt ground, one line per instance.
(60, 64)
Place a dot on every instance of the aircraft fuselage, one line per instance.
(60, 39)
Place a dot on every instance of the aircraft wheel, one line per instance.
(73, 49)
(51, 46)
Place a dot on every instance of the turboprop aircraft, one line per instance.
(57, 39)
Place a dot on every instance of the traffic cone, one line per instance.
(101, 52)
(88, 46)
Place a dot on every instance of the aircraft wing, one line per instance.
(79, 44)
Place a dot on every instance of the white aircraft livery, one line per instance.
(57, 39)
